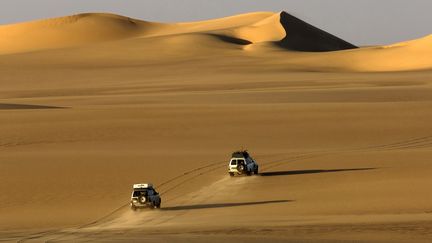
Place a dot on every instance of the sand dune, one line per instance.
(277, 38)
(266, 30)
(222, 23)
(70, 31)
(85, 29)
(291, 33)
(92, 103)
(302, 36)
(406, 56)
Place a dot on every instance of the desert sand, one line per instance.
(93, 103)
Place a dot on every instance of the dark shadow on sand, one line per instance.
(302, 36)
(304, 172)
(222, 205)
(231, 40)
(26, 107)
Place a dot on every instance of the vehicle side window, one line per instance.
(233, 162)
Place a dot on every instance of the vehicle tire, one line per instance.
(256, 171)
(142, 200)
(231, 174)
(248, 173)
(241, 168)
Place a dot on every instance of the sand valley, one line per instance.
(93, 103)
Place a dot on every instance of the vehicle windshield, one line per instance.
(237, 161)
(139, 193)
(144, 192)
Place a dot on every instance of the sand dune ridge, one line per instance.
(279, 37)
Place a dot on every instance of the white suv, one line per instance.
(242, 163)
(144, 195)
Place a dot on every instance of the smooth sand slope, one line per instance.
(91, 28)
(405, 56)
(81, 29)
(91, 104)
(289, 40)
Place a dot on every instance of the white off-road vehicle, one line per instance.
(242, 163)
(144, 195)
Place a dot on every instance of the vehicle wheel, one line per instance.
(231, 174)
(256, 171)
(142, 199)
(241, 168)
(248, 173)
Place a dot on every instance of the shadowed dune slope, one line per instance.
(290, 33)
(301, 36)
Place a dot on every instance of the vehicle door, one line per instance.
(233, 164)
(150, 194)
(249, 164)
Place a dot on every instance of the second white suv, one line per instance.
(242, 163)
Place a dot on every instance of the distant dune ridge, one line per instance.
(259, 33)
(75, 30)
(80, 29)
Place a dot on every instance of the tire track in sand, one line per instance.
(413, 143)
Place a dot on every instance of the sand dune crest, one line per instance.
(70, 31)
(290, 33)
(90, 28)
(281, 37)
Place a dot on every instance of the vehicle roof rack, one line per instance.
(142, 186)
(241, 154)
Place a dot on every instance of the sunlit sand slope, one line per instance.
(91, 104)
(277, 38)
(81, 29)
(405, 56)
(91, 28)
